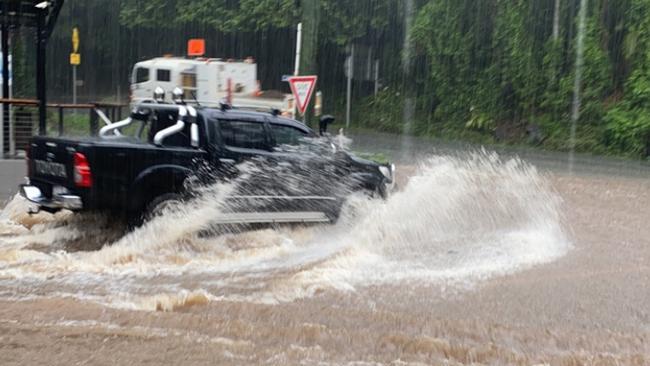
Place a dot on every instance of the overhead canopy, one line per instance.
(37, 14)
(26, 13)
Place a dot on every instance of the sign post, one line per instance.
(350, 74)
(303, 88)
(75, 60)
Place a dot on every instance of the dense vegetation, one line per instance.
(484, 70)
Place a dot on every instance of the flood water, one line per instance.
(476, 259)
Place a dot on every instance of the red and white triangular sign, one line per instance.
(302, 88)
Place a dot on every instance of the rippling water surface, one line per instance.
(476, 259)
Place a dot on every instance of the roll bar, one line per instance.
(141, 112)
(194, 129)
(114, 127)
(178, 127)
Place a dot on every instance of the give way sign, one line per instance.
(302, 88)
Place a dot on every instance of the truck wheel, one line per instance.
(158, 205)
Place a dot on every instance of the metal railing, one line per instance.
(20, 121)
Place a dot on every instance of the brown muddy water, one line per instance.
(475, 260)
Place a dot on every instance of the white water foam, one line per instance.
(458, 221)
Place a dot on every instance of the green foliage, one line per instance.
(383, 112)
(496, 69)
(596, 78)
(157, 14)
(344, 20)
(341, 21)
(628, 123)
(481, 70)
(222, 15)
(479, 121)
(628, 129)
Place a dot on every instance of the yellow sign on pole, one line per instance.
(75, 59)
(75, 40)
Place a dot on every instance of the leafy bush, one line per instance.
(629, 129)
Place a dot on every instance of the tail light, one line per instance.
(83, 177)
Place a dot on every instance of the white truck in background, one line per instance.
(206, 81)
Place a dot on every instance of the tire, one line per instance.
(158, 205)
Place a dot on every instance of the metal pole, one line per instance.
(348, 107)
(376, 76)
(5, 77)
(41, 41)
(296, 70)
(74, 84)
(60, 121)
(5, 88)
(10, 117)
(5, 84)
(94, 123)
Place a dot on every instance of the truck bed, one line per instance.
(116, 164)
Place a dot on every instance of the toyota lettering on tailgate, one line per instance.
(49, 168)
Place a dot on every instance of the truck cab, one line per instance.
(205, 81)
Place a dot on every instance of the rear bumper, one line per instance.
(56, 203)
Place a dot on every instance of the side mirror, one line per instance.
(324, 121)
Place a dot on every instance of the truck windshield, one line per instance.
(141, 75)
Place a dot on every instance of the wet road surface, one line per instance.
(477, 260)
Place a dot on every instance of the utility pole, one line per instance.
(309, 49)
(296, 70)
(350, 69)
(5, 88)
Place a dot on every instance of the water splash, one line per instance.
(458, 221)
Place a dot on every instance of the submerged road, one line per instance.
(477, 260)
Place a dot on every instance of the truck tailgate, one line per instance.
(52, 161)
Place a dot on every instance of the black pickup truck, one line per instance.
(163, 151)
